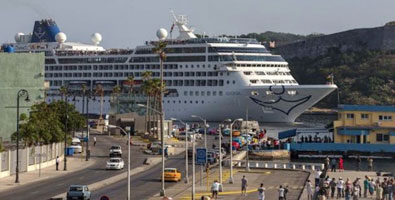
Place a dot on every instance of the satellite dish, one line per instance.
(18, 37)
(161, 34)
(60, 37)
(96, 38)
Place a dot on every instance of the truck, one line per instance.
(79, 192)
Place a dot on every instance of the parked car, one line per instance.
(212, 131)
(115, 151)
(115, 163)
(80, 192)
(76, 145)
(236, 133)
(182, 136)
(248, 137)
(223, 151)
(226, 131)
(172, 174)
(235, 146)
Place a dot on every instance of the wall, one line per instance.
(343, 147)
(29, 158)
(19, 70)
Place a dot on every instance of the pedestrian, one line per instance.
(326, 162)
(94, 141)
(372, 186)
(370, 164)
(286, 192)
(244, 184)
(390, 189)
(166, 153)
(332, 185)
(366, 186)
(333, 165)
(261, 192)
(215, 189)
(340, 188)
(356, 192)
(379, 191)
(317, 177)
(57, 163)
(348, 191)
(309, 190)
(341, 164)
(358, 163)
(281, 193)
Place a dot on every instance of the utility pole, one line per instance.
(87, 129)
(193, 168)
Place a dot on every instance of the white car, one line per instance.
(76, 145)
(182, 136)
(115, 151)
(158, 145)
(115, 163)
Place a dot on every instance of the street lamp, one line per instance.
(205, 129)
(231, 152)
(220, 148)
(186, 148)
(21, 93)
(113, 126)
(162, 192)
(87, 153)
(65, 131)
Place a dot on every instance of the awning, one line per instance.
(344, 131)
(286, 134)
(126, 120)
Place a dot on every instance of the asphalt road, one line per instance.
(147, 183)
(48, 188)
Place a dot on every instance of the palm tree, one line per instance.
(100, 91)
(146, 90)
(130, 82)
(116, 90)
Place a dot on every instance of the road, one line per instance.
(147, 183)
(48, 188)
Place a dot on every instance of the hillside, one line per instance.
(362, 61)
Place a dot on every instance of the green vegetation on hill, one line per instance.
(280, 38)
(365, 77)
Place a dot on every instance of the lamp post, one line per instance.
(231, 152)
(186, 148)
(205, 129)
(87, 153)
(220, 148)
(162, 192)
(21, 93)
(193, 168)
(65, 132)
(113, 126)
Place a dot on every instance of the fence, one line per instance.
(30, 158)
(279, 165)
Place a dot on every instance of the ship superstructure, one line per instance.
(216, 78)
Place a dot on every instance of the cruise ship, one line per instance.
(212, 77)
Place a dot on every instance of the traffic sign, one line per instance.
(201, 158)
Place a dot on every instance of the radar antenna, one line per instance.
(181, 21)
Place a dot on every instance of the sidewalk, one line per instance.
(346, 174)
(271, 179)
(73, 164)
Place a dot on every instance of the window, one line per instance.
(220, 93)
(385, 117)
(190, 93)
(386, 137)
(350, 116)
(208, 93)
(185, 93)
(379, 137)
(197, 93)
(364, 116)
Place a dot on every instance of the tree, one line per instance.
(116, 90)
(146, 91)
(100, 92)
(130, 83)
(159, 49)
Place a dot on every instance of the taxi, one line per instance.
(172, 174)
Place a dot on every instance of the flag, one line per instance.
(172, 27)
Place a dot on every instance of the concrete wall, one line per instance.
(389, 148)
(29, 158)
(19, 71)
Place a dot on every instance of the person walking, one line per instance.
(244, 184)
(57, 163)
(261, 192)
(215, 189)
(332, 185)
(94, 141)
(340, 188)
(370, 163)
(281, 193)
(333, 165)
(309, 188)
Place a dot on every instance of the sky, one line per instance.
(127, 23)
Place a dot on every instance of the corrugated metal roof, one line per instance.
(372, 108)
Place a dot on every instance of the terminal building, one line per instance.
(365, 124)
(19, 71)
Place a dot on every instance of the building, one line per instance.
(19, 71)
(365, 124)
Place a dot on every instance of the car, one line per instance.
(216, 150)
(236, 133)
(115, 151)
(115, 163)
(76, 145)
(226, 131)
(211, 157)
(80, 192)
(182, 136)
(172, 174)
(235, 145)
(212, 131)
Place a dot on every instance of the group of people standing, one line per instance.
(334, 164)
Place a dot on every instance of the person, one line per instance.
(57, 163)
(281, 193)
(356, 192)
(332, 185)
(317, 176)
(366, 186)
(166, 153)
(340, 188)
(309, 190)
(341, 164)
(333, 165)
(358, 163)
(379, 191)
(390, 189)
(372, 186)
(94, 141)
(215, 189)
(370, 164)
(244, 183)
(286, 192)
(348, 191)
(326, 162)
(261, 192)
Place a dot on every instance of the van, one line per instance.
(76, 145)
